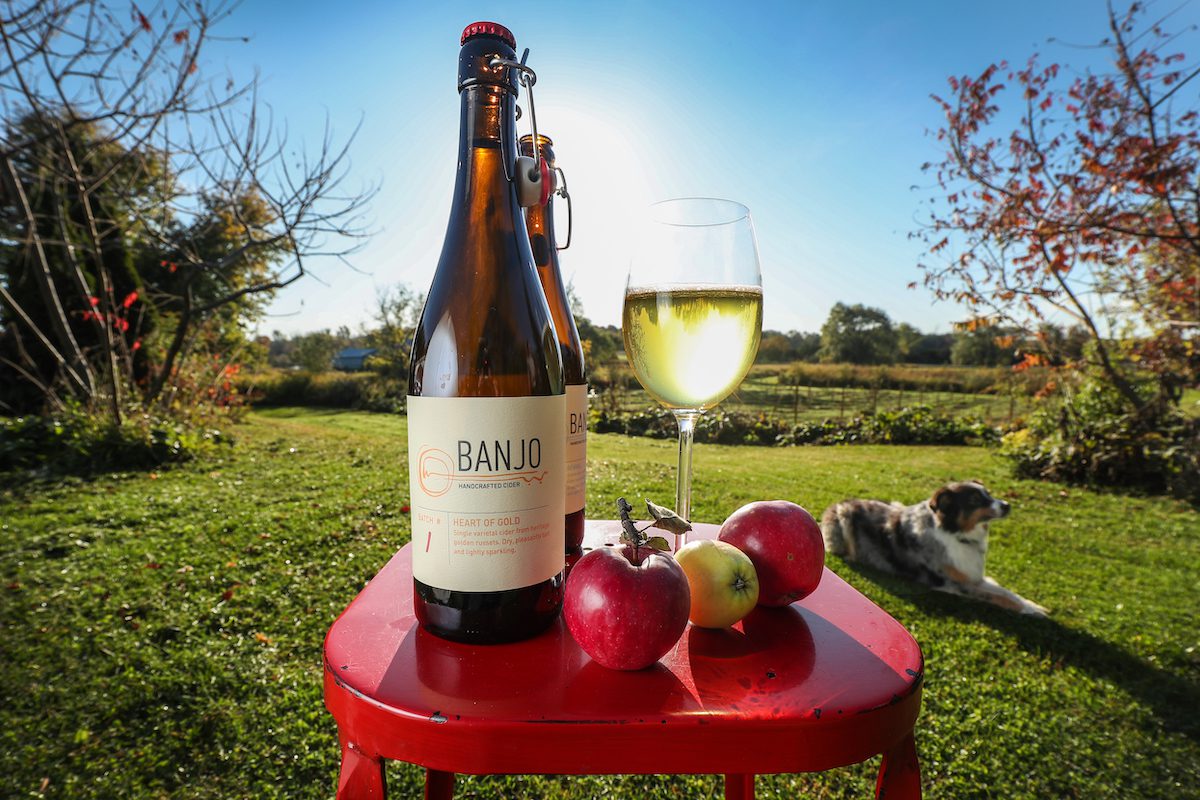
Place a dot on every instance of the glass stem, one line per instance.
(683, 477)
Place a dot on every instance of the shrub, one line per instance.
(78, 443)
(914, 425)
(910, 425)
(1085, 434)
(364, 391)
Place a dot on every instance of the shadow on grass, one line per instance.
(1171, 698)
(284, 411)
(30, 482)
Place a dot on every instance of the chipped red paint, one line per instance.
(828, 681)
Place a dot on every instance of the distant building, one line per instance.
(351, 359)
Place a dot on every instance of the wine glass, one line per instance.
(693, 313)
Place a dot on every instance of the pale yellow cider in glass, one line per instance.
(692, 346)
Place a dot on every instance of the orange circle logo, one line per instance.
(435, 471)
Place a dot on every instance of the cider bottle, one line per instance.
(486, 405)
(539, 219)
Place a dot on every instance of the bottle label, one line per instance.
(577, 422)
(487, 481)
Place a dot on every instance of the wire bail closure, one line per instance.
(564, 194)
(531, 189)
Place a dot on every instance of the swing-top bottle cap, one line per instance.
(488, 29)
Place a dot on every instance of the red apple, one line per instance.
(626, 612)
(784, 542)
(723, 582)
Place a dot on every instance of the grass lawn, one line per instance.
(161, 633)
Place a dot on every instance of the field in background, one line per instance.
(801, 392)
(791, 393)
(162, 631)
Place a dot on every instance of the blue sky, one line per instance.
(814, 115)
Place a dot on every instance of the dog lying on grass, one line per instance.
(941, 542)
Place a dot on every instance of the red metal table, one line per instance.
(829, 681)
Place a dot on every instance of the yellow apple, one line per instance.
(722, 580)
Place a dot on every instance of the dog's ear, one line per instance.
(945, 507)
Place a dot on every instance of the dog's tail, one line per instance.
(831, 531)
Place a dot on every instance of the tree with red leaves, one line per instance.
(1089, 207)
(147, 211)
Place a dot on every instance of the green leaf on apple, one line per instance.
(664, 518)
(668, 520)
(658, 543)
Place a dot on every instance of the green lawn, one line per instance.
(161, 633)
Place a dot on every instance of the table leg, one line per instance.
(439, 785)
(361, 776)
(739, 787)
(900, 772)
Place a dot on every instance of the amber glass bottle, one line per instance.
(539, 219)
(486, 407)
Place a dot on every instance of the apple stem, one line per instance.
(631, 535)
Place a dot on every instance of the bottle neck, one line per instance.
(486, 145)
(539, 220)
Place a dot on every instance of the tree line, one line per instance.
(852, 334)
(858, 334)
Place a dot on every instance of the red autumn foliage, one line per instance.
(1029, 360)
(1088, 205)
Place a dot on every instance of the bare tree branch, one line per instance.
(140, 166)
